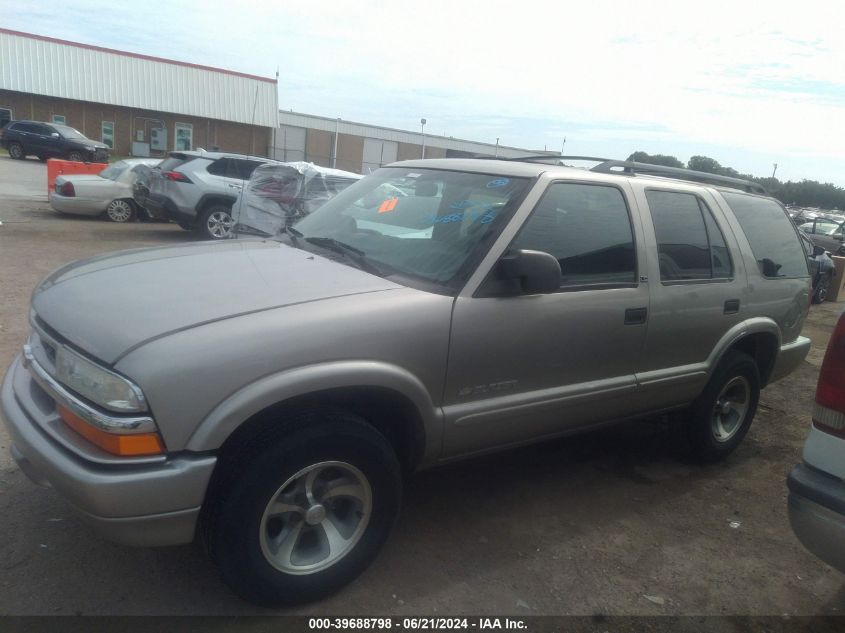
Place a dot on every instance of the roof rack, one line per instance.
(631, 168)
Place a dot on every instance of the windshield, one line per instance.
(113, 172)
(423, 223)
(69, 132)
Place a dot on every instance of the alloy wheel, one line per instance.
(220, 224)
(731, 408)
(316, 517)
(119, 211)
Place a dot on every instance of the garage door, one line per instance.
(377, 153)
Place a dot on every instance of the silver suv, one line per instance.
(197, 190)
(432, 311)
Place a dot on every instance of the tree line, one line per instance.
(806, 193)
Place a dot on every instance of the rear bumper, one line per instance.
(79, 206)
(817, 513)
(137, 504)
(790, 356)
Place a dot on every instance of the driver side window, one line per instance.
(588, 229)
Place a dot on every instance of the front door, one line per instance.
(526, 366)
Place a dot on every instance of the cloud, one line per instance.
(754, 80)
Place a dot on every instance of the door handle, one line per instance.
(636, 316)
(731, 306)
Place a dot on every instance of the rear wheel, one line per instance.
(16, 151)
(822, 289)
(75, 156)
(303, 508)
(721, 416)
(120, 211)
(216, 222)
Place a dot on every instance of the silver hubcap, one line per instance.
(119, 211)
(316, 517)
(220, 224)
(731, 408)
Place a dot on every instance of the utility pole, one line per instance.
(496, 155)
(775, 169)
(422, 127)
(334, 148)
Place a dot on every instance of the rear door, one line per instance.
(698, 291)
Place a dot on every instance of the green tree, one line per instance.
(655, 159)
(705, 163)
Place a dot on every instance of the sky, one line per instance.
(747, 83)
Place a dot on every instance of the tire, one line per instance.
(822, 289)
(120, 210)
(16, 151)
(76, 156)
(715, 427)
(246, 540)
(216, 222)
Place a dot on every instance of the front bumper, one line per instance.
(817, 513)
(155, 503)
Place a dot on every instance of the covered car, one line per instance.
(108, 193)
(278, 194)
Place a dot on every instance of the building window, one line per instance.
(184, 137)
(108, 133)
(5, 116)
(59, 118)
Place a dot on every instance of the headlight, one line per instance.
(98, 384)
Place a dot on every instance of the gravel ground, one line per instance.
(615, 522)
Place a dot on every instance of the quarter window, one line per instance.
(771, 234)
(690, 244)
(588, 229)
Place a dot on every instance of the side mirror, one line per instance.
(818, 250)
(55, 135)
(535, 271)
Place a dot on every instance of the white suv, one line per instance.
(197, 190)
(816, 487)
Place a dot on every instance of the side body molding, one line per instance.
(275, 388)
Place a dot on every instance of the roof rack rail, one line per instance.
(678, 173)
(631, 168)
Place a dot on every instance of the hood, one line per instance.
(111, 304)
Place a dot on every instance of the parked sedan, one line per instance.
(827, 231)
(109, 192)
(816, 487)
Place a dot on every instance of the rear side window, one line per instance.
(773, 238)
(172, 162)
(690, 244)
(588, 229)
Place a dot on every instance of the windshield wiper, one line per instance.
(294, 234)
(356, 255)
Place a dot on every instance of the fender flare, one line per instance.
(275, 388)
(740, 331)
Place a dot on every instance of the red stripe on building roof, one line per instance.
(102, 49)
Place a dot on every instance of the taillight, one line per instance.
(67, 190)
(176, 176)
(829, 409)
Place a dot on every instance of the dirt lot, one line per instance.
(580, 526)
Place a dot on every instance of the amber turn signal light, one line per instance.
(123, 445)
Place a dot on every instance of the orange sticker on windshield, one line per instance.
(388, 205)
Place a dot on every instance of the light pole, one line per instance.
(775, 169)
(422, 127)
(334, 145)
(497, 148)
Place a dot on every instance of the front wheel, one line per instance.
(216, 222)
(120, 211)
(720, 417)
(303, 508)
